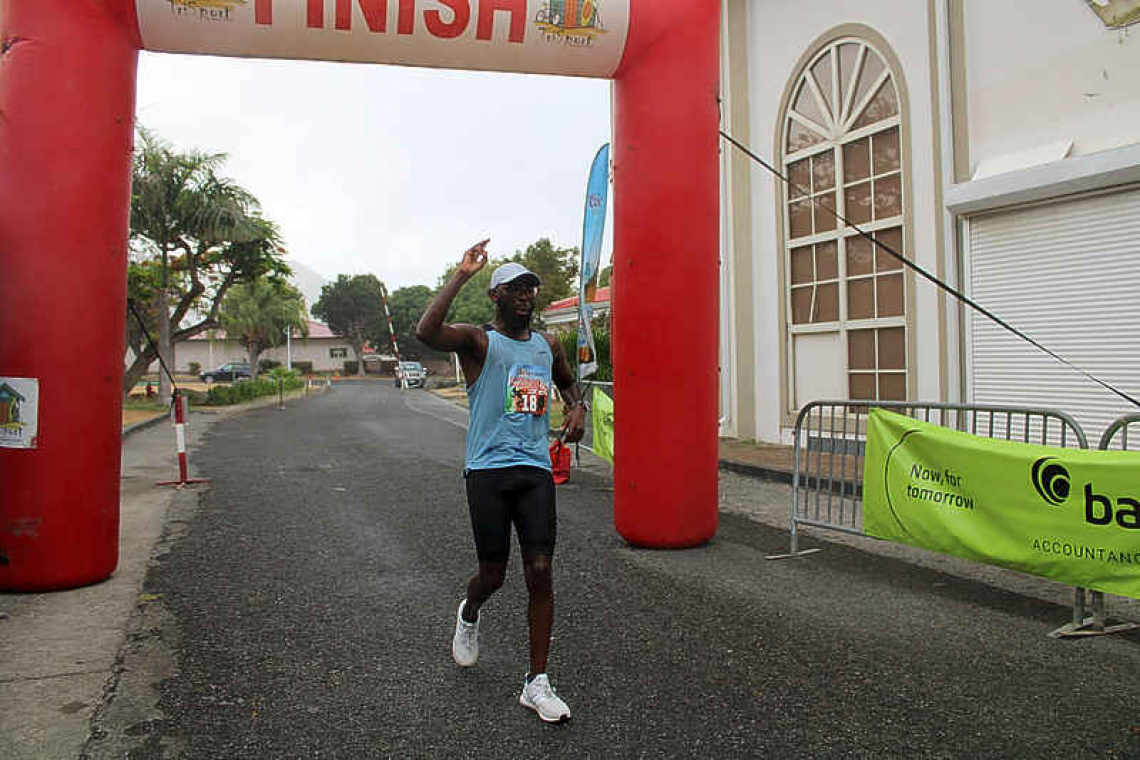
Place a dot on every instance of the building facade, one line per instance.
(321, 349)
(562, 315)
(994, 145)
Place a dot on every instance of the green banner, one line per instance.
(603, 418)
(1072, 515)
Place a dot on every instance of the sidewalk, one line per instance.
(59, 650)
(760, 460)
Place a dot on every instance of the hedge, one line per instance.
(247, 390)
(605, 371)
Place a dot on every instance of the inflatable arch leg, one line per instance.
(67, 88)
(666, 275)
(67, 83)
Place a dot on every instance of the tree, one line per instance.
(471, 305)
(556, 267)
(606, 276)
(352, 309)
(194, 235)
(258, 314)
(407, 305)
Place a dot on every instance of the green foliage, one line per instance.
(195, 368)
(248, 390)
(471, 305)
(143, 282)
(280, 373)
(406, 306)
(193, 235)
(556, 267)
(601, 332)
(606, 276)
(258, 314)
(352, 309)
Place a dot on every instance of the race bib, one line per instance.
(528, 387)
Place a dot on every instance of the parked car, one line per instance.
(412, 373)
(230, 371)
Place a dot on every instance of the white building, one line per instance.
(562, 315)
(321, 351)
(996, 144)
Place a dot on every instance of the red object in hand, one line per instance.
(560, 462)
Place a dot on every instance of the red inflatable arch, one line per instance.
(67, 91)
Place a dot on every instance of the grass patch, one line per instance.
(143, 404)
(556, 417)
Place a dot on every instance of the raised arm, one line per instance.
(431, 330)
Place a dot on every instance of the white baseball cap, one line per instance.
(511, 271)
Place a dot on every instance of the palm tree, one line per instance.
(258, 314)
(205, 231)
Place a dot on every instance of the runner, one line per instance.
(508, 368)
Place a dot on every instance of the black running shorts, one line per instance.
(520, 495)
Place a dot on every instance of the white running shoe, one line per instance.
(465, 645)
(538, 695)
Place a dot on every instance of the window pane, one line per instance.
(892, 238)
(801, 305)
(888, 197)
(858, 255)
(848, 54)
(872, 67)
(823, 171)
(824, 206)
(799, 215)
(861, 349)
(800, 137)
(861, 386)
(856, 160)
(808, 106)
(827, 303)
(827, 261)
(861, 298)
(800, 176)
(892, 387)
(801, 265)
(858, 203)
(892, 348)
(886, 147)
(883, 106)
(822, 73)
(890, 295)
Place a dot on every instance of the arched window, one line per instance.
(845, 305)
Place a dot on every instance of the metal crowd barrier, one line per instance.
(589, 389)
(830, 436)
(1119, 429)
(829, 445)
(1116, 438)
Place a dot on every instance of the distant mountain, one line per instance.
(307, 281)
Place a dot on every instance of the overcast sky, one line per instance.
(388, 170)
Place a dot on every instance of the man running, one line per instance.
(508, 368)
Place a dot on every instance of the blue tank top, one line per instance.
(509, 404)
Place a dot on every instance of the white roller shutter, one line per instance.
(1066, 273)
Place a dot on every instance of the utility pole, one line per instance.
(391, 330)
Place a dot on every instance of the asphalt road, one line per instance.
(303, 607)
